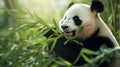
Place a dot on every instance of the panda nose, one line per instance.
(64, 27)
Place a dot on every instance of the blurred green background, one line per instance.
(23, 24)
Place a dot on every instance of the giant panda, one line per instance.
(82, 23)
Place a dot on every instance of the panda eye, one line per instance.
(77, 20)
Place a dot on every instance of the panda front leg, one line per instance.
(69, 51)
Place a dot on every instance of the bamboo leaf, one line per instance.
(53, 45)
(85, 58)
(89, 52)
(42, 21)
(77, 59)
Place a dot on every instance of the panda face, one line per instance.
(78, 22)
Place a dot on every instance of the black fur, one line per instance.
(77, 20)
(97, 5)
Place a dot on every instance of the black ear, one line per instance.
(70, 4)
(97, 5)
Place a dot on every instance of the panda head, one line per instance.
(79, 21)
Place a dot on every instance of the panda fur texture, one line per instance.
(82, 22)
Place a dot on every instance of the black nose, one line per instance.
(64, 27)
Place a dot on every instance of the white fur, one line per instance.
(89, 23)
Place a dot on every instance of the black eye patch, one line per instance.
(77, 20)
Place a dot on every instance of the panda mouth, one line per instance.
(69, 33)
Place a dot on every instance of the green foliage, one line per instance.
(111, 16)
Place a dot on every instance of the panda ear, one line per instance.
(97, 5)
(70, 4)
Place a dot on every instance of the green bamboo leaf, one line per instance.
(89, 52)
(53, 45)
(30, 13)
(63, 62)
(22, 26)
(77, 59)
(77, 42)
(42, 33)
(47, 63)
(66, 41)
(86, 58)
(54, 42)
(56, 25)
(42, 21)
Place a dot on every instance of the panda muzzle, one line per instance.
(69, 33)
